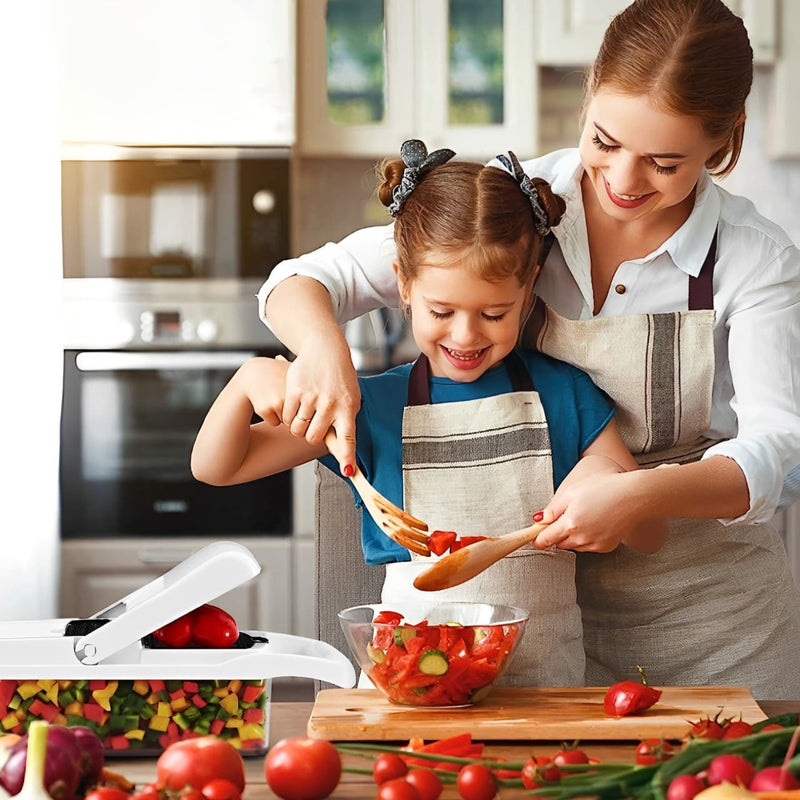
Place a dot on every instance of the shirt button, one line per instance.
(620, 288)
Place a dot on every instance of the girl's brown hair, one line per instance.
(691, 57)
(461, 208)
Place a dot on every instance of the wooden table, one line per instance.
(290, 719)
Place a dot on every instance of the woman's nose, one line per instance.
(625, 175)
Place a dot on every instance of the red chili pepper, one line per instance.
(630, 697)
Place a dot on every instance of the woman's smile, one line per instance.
(626, 200)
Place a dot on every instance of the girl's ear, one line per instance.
(402, 286)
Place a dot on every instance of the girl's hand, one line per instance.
(322, 391)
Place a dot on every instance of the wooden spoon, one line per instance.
(466, 563)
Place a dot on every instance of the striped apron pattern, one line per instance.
(717, 604)
(482, 467)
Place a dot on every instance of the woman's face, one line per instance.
(639, 160)
(462, 323)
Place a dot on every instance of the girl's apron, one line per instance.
(483, 467)
(717, 604)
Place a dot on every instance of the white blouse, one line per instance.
(756, 392)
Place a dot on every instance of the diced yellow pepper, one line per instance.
(21, 714)
(234, 722)
(75, 709)
(164, 710)
(153, 699)
(10, 721)
(251, 730)
(235, 741)
(59, 719)
(221, 691)
(235, 685)
(65, 684)
(159, 723)
(179, 703)
(44, 684)
(52, 694)
(141, 687)
(138, 733)
(230, 703)
(26, 690)
(103, 696)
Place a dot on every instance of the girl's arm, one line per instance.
(578, 512)
(229, 449)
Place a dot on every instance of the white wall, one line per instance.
(30, 313)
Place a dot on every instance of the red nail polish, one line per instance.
(538, 516)
(348, 471)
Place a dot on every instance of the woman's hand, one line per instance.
(322, 392)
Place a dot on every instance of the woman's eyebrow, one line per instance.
(649, 155)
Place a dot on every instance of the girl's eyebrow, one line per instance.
(649, 155)
(446, 304)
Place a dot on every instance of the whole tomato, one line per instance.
(538, 771)
(476, 782)
(213, 627)
(220, 789)
(706, 728)
(426, 782)
(630, 697)
(397, 789)
(196, 762)
(302, 768)
(653, 751)
(570, 755)
(736, 729)
(387, 766)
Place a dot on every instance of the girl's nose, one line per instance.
(464, 331)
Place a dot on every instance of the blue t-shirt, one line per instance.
(576, 411)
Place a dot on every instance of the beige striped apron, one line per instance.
(483, 467)
(717, 605)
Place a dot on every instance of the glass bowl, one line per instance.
(444, 654)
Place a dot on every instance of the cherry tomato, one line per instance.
(476, 782)
(196, 762)
(221, 789)
(213, 627)
(148, 792)
(107, 793)
(737, 729)
(684, 787)
(653, 751)
(387, 766)
(570, 756)
(177, 633)
(302, 768)
(538, 771)
(190, 793)
(630, 697)
(773, 726)
(397, 789)
(426, 782)
(706, 728)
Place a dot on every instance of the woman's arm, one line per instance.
(576, 521)
(302, 302)
(229, 449)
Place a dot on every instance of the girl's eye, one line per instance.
(661, 170)
(601, 145)
(440, 314)
(493, 317)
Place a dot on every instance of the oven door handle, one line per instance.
(109, 361)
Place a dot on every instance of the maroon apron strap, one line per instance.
(701, 288)
(419, 390)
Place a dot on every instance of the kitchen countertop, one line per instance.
(290, 719)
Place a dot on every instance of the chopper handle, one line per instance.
(203, 576)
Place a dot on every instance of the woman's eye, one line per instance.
(661, 170)
(601, 145)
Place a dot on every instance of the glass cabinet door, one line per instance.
(455, 73)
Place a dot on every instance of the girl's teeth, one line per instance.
(464, 356)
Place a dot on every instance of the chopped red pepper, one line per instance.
(439, 542)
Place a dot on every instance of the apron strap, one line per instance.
(419, 390)
(701, 288)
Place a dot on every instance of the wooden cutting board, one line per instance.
(513, 713)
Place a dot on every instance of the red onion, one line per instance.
(91, 753)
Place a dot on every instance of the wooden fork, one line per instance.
(397, 524)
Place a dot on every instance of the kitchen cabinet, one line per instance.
(569, 32)
(186, 72)
(428, 69)
(96, 572)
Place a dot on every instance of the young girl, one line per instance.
(680, 301)
(476, 434)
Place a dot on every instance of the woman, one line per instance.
(680, 301)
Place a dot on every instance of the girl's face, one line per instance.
(462, 323)
(641, 161)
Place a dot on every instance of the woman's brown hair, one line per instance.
(463, 208)
(690, 57)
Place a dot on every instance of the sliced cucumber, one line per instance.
(376, 655)
(433, 662)
(402, 634)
